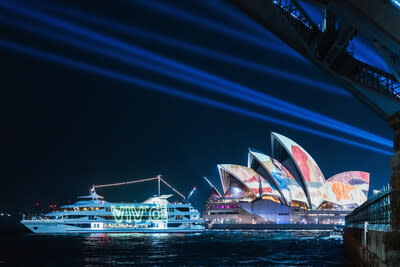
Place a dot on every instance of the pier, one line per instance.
(372, 231)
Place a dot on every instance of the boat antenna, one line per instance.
(158, 178)
(93, 192)
(191, 193)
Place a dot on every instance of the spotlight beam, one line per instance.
(201, 50)
(236, 15)
(130, 61)
(235, 90)
(214, 26)
(320, 119)
(170, 91)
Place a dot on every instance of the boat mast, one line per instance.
(158, 178)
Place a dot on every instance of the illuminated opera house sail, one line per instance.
(285, 188)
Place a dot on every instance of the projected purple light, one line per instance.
(232, 206)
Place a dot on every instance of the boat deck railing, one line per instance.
(39, 218)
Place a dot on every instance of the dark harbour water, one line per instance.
(211, 248)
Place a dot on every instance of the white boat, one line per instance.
(92, 214)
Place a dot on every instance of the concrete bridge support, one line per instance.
(372, 248)
(394, 123)
(373, 239)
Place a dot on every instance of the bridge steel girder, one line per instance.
(376, 20)
(288, 21)
(391, 59)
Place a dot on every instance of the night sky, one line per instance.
(64, 129)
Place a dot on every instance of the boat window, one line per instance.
(82, 225)
(183, 209)
(226, 212)
(81, 209)
(74, 216)
(174, 224)
(131, 218)
(107, 217)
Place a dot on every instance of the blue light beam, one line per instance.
(215, 26)
(170, 91)
(131, 30)
(236, 15)
(219, 84)
(80, 44)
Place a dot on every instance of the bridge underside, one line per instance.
(325, 46)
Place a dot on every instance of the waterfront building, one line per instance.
(287, 188)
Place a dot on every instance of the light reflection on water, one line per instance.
(311, 248)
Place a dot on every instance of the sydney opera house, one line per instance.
(287, 188)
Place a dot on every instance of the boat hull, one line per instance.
(61, 228)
